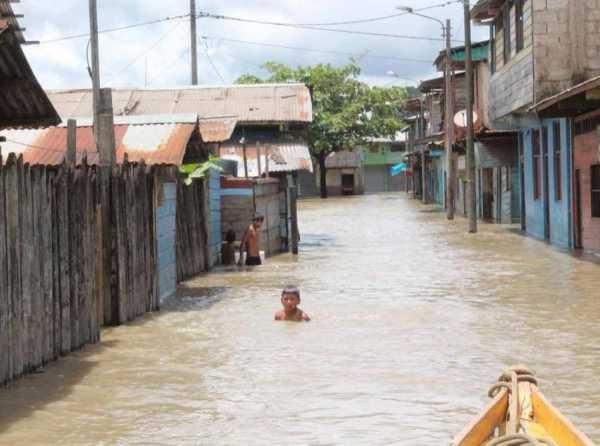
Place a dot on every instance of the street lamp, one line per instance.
(412, 11)
(449, 126)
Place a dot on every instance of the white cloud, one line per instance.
(165, 46)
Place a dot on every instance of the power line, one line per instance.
(372, 19)
(170, 65)
(315, 28)
(214, 67)
(120, 28)
(152, 47)
(315, 50)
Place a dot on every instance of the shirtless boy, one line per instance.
(251, 242)
(290, 299)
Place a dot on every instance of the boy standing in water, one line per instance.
(251, 243)
(290, 299)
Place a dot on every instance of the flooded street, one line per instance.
(413, 319)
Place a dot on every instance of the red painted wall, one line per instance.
(586, 155)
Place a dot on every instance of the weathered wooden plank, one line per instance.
(27, 271)
(55, 181)
(132, 239)
(141, 238)
(84, 286)
(37, 307)
(46, 225)
(75, 257)
(91, 255)
(153, 178)
(4, 296)
(13, 264)
(64, 259)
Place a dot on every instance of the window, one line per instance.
(507, 29)
(520, 25)
(537, 160)
(557, 163)
(596, 191)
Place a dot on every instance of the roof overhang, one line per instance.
(486, 10)
(574, 101)
(23, 102)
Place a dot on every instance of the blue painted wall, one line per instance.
(166, 228)
(560, 210)
(214, 212)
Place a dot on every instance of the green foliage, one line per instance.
(347, 112)
(194, 171)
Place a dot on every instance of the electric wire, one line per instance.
(315, 50)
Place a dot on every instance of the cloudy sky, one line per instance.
(159, 54)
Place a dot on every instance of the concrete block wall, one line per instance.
(268, 200)
(567, 44)
(512, 87)
(237, 206)
(242, 199)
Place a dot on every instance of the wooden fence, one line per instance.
(77, 250)
(192, 230)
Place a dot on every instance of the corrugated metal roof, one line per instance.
(249, 103)
(23, 103)
(154, 143)
(217, 129)
(283, 157)
(7, 15)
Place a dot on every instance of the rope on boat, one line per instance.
(510, 380)
(519, 440)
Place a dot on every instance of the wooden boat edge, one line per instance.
(482, 427)
(557, 425)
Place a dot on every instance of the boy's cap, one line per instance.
(258, 217)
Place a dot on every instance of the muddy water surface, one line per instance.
(412, 321)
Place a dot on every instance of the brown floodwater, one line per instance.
(412, 321)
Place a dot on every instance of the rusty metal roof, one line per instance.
(148, 138)
(283, 157)
(249, 103)
(217, 129)
(23, 102)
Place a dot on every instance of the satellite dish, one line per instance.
(460, 119)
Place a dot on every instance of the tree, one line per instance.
(346, 111)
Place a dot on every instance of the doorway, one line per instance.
(347, 184)
(487, 194)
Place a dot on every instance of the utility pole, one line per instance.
(194, 46)
(95, 68)
(449, 125)
(471, 191)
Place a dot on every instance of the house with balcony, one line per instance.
(496, 150)
(537, 50)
